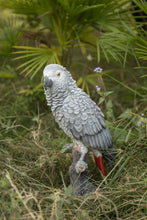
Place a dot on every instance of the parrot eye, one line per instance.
(58, 74)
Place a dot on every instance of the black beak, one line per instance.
(47, 82)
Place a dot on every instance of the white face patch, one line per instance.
(52, 70)
(56, 74)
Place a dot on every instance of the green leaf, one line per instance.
(26, 92)
(79, 82)
(87, 8)
(6, 75)
(102, 99)
(128, 135)
(109, 104)
(126, 114)
(68, 192)
(38, 57)
(105, 94)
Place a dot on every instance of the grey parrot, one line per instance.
(79, 116)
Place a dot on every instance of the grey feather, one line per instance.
(75, 112)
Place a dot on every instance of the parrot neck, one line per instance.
(48, 97)
(60, 93)
(58, 98)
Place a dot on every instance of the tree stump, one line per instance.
(80, 182)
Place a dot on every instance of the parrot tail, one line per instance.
(99, 164)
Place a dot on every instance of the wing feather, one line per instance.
(86, 122)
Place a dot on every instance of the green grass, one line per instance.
(34, 178)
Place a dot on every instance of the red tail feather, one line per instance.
(99, 164)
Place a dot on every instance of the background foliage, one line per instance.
(81, 35)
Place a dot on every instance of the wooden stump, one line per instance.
(80, 182)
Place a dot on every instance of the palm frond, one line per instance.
(114, 45)
(141, 4)
(141, 45)
(10, 34)
(35, 58)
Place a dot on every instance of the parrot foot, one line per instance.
(81, 166)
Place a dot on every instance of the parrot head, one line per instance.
(56, 76)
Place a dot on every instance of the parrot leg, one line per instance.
(81, 166)
(80, 182)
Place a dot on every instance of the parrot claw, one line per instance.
(81, 166)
